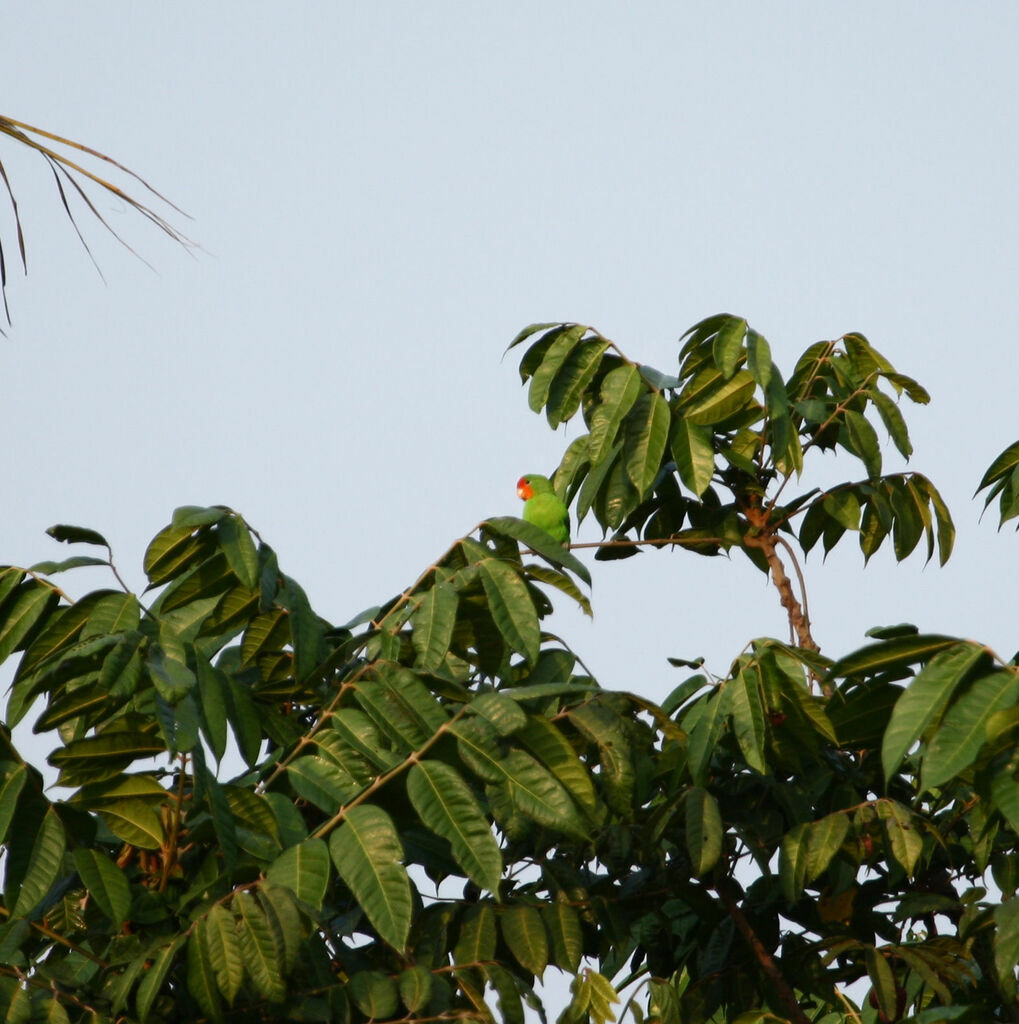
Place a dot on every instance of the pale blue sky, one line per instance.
(385, 193)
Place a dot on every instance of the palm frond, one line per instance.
(69, 171)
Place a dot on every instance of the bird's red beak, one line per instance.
(524, 489)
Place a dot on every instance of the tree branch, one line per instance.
(764, 958)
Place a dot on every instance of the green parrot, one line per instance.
(543, 508)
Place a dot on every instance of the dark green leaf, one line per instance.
(703, 830)
(963, 730)
(525, 934)
(645, 437)
(925, 700)
(759, 358)
(511, 607)
(727, 346)
(619, 391)
(447, 806)
(52, 568)
(528, 331)
(367, 853)
(540, 543)
(709, 398)
(551, 363)
(77, 535)
(694, 453)
(570, 383)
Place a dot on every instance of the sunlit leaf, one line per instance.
(367, 853)
(692, 448)
(619, 390)
(525, 934)
(44, 864)
(727, 346)
(925, 699)
(511, 607)
(106, 884)
(703, 830)
(963, 730)
(449, 808)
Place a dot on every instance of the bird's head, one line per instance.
(531, 484)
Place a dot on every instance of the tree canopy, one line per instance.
(413, 815)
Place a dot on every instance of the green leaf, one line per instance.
(943, 518)
(415, 985)
(694, 453)
(433, 621)
(727, 346)
(193, 516)
(447, 806)
(570, 383)
(539, 542)
(9, 793)
(174, 550)
(703, 830)
(1001, 467)
(646, 433)
(905, 842)
(562, 922)
(52, 568)
(173, 679)
(402, 706)
(77, 535)
(792, 861)
(843, 506)
(603, 997)
(704, 729)
(925, 699)
(44, 864)
(477, 937)
(619, 390)
(893, 421)
(511, 607)
(20, 615)
(709, 398)
(135, 822)
(213, 576)
(367, 853)
(604, 727)
(375, 994)
(863, 442)
(235, 539)
(508, 989)
(1006, 943)
(155, 974)
(106, 748)
(963, 730)
(747, 710)
(896, 654)
(528, 331)
(824, 839)
(883, 982)
(260, 946)
(223, 943)
(525, 934)
(538, 794)
(550, 746)
(201, 977)
(106, 883)
(322, 782)
(759, 358)
(554, 357)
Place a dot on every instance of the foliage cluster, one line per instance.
(436, 804)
